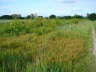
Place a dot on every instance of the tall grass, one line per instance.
(46, 45)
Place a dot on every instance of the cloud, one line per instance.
(5, 1)
(3, 10)
(67, 1)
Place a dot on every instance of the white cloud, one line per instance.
(67, 1)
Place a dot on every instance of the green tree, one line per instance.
(52, 16)
(91, 16)
(78, 16)
(16, 16)
(32, 16)
(6, 17)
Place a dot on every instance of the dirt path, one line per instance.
(94, 42)
(93, 67)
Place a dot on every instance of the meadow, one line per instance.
(46, 45)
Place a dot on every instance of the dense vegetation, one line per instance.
(46, 45)
(91, 16)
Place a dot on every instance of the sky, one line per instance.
(47, 7)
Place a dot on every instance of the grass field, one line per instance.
(46, 45)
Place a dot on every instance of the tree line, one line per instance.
(91, 16)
